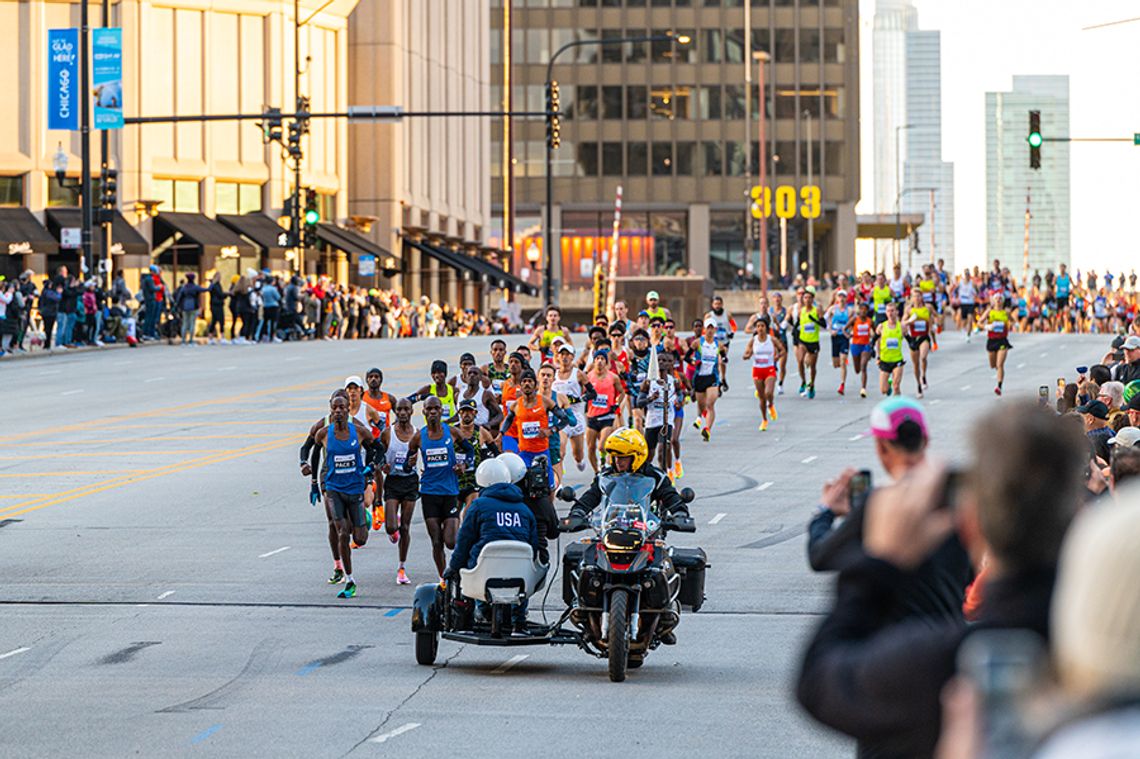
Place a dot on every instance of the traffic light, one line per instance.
(109, 194)
(310, 218)
(271, 126)
(1034, 139)
(294, 145)
(304, 107)
(553, 117)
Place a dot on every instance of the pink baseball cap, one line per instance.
(888, 416)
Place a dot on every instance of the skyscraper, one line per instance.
(1009, 179)
(893, 19)
(924, 171)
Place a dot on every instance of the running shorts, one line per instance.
(652, 437)
(840, 344)
(348, 506)
(528, 458)
(1062, 301)
(967, 311)
(763, 372)
(599, 423)
(858, 350)
(993, 345)
(464, 492)
(440, 506)
(510, 444)
(810, 347)
(890, 366)
(703, 382)
(402, 488)
(915, 342)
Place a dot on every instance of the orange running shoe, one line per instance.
(378, 517)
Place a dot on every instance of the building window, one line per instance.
(734, 158)
(588, 159)
(686, 53)
(612, 53)
(712, 46)
(611, 102)
(809, 45)
(65, 195)
(714, 159)
(734, 46)
(611, 159)
(685, 152)
(785, 45)
(177, 195)
(662, 159)
(12, 191)
(661, 102)
(726, 249)
(662, 51)
(237, 197)
(587, 53)
(670, 240)
(834, 50)
(638, 157)
(709, 102)
(682, 101)
(733, 101)
(563, 164)
(587, 106)
(761, 40)
(634, 51)
(537, 46)
(636, 102)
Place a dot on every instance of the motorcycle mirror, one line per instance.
(687, 495)
(567, 494)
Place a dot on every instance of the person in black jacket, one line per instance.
(898, 426)
(628, 452)
(216, 329)
(881, 681)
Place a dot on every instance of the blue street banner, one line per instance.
(367, 265)
(107, 77)
(63, 79)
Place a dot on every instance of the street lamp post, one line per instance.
(548, 232)
(907, 191)
(898, 192)
(762, 58)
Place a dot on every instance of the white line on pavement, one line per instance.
(937, 400)
(809, 459)
(50, 371)
(1043, 355)
(279, 550)
(508, 664)
(764, 485)
(141, 606)
(13, 652)
(398, 731)
(294, 358)
(155, 379)
(965, 388)
(1021, 365)
(167, 594)
(857, 436)
(71, 392)
(226, 368)
(717, 518)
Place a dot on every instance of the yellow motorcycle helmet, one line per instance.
(626, 441)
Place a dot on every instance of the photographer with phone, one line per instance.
(898, 426)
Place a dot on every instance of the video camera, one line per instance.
(535, 484)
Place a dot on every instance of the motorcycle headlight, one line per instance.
(623, 539)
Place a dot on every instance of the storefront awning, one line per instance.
(482, 270)
(351, 242)
(124, 237)
(195, 230)
(258, 228)
(21, 233)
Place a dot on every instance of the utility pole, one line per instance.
(810, 222)
(107, 215)
(748, 220)
(85, 138)
(295, 204)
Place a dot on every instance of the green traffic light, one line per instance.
(1034, 139)
(312, 216)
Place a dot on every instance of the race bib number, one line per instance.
(920, 326)
(435, 457)
(881, 308)
(892, 343)
(809, 327)
(863, 330)
(345, 462)
(497, 386)
(763, 361)
(998, 328)
(602, 400)
(531, 430)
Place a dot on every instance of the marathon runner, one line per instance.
(996, 318)
(918, 330)
(471, 442)
(346, 443)
(510, 438)
(530, 415)
(880, 297)
(370, 418)
(439, 480)
(439, 388)
(967, 297)
(653, 307)
(765, 351)
(570, 382)
(706, 383)
(638, 371)
(466, 361)
(497, 370)
(860, 331)
(837, 316)
(401, 485)
(890, 335)
(546, 389)
(658, 396)
(311, 455)
(621, 315)
(488, 414)
(725, 326)
(383, 402)
(603, 396)
(779, 317)
(810, 323)
(544, 335)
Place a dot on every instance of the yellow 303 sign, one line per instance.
(786, 201)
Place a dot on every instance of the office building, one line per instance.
(892, 21)
(1009, 178)
(676, 127)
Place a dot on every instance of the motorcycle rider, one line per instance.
(499, 513)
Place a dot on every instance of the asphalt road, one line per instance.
(164, 575)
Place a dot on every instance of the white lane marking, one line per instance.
(1021, 365)
(509, 663)
(155, 379)
(71, 392)
(50, 371)
(167, 594)
(1043, 355)
(717, 518)
(393, 733)
(295, 358)
(226, 368)
(857, 436)
(15, 651)
(936, 400)
(965, 388)
(764, 485)
(141, 606)
(809, 459)
(279, 550)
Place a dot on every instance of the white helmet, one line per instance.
(515, 465)
(492, 472)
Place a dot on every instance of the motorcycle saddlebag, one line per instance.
(570, 561)
(691, 564)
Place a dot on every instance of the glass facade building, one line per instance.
(676, 126)
(1009, 179)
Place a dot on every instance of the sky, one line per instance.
(986, 42)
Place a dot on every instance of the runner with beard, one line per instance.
(497, 371)
(638, 371)
(401, 485)
(510, 438)
(473, 443)
(765, 351)
(570, 382)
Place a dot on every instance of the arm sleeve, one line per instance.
(560, 414)
(307, 448)
(588, 502)
(831, 549)
(668, 497)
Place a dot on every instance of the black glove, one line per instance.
(315, 494)
(573, 523)
(680, 521)
(723, 386)
(451, 574)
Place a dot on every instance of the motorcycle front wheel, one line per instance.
(618, 638)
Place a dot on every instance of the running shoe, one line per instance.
(803, 388)
(348, 592)
(394, 537)
(352, 544)
(764, 425)
(402, 577)
(337, 577)
(919, 393)
(378, 517)
(680, 470)
(811, 391)
(862, 392)
(772, 413)
(697, 423)
(706, 435)
(582, 465)
(779, 389)
(842, 386)
(997, 390)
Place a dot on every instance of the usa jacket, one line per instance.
(499, 513)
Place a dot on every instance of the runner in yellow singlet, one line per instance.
(545, 334)
(996, 320)
(890, 336)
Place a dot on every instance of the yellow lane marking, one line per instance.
(119, 440)
(77, 473)
(69, 495)
(248, 422)
(110, 453)
(29, 495)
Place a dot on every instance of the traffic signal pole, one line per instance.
(108, 205)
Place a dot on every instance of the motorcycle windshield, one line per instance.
(627, 488)
(627, 502)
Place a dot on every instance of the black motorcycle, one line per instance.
(624, 585)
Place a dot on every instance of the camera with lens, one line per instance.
(535, 483)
